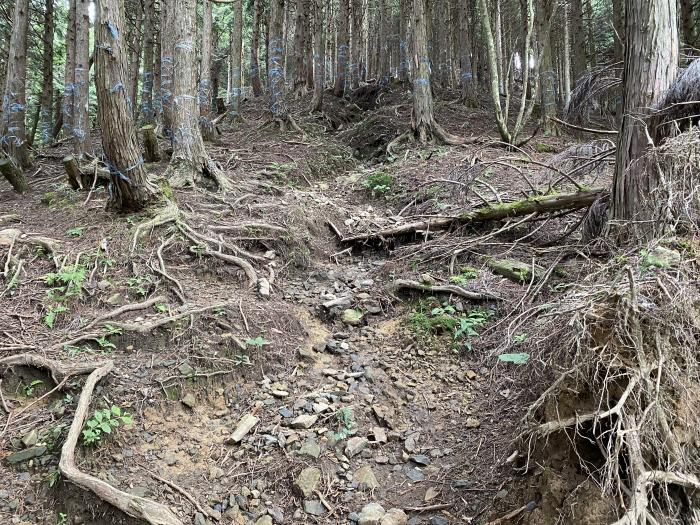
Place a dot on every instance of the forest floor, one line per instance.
(359, 392)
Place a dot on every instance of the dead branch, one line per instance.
(399, 284)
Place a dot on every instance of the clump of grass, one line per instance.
(379, 183)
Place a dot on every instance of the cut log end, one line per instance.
(14, 175)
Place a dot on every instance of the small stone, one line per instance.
(414, 474)
(314, 507)
(170, 459)
(352, 317)
(29, 440)
(379, 435)
(189, 400)
(264, 287)
(501, 494)
(438, 520)
(186, 369)
(473, 422)
(286, 412)
(307, 480)
(215, 473)
(199, 519)
(320, 407)
(364, 479)
(461, 483)
(420, 459)
(431, 494)
(277, 514)
(264, 520)
(394, 517)
(244, 426)
(26, 454)
(381, 460)
(304, 421)
(355, 445)
(280, 393)
(311, 449)
(371, 514)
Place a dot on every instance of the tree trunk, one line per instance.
(687, 22)
(619, 27)
(205, 94)
(404, 60)
(319, 56)
(592, 48)
(149, 36)
(638, 209)
(383, 73)
(278, 105)
(355, 47)
(13, 134)
(135, 56)
(297, 66)
(167, 40)
(236, 49)
(81, 118)
(157, 62)
(46, 99)
(566, 65)
(254, 49)
(465, 63)
(579, 40)
(69, 73)
(423, 124)
(129, 186)
(342, 48)
(190, 163)
(548, 105)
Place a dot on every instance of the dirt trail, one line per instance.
(351, 406)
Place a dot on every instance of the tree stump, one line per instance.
(14, 175)
(150, 144)
(75, 176)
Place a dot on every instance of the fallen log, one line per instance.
(553, 202)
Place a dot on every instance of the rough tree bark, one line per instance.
(546, 9)
(167, 39)
(566, 65)
(638, 208)
(425, 128)
(688, 22)
(13, 133)
(46, 99)
(342, 48)
(465, 63)
(279, 113)
(298, 75)
(254, 49)
(81, 118)
(205, 94)
(69, 73)
(319, 64)
(236, 49)
(149, 39)
(578, 41)
(129, 186)
(190, 163)
(619, 27)
(404, 31)
(135, 55)
(355, 43)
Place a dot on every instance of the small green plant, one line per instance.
(52, 478)
(75, 232)
(160, 307)
(346, 423)
(102, 422)
(62, 518)
(520, 338)
(65, 284)
(258, 342)
(429, 321)
(31, 387)
(379, 183)
(141, 284)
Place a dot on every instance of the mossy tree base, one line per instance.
(14, 175)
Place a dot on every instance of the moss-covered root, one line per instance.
(168, 213)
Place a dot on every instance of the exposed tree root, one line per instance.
(144, 328)
(169, 213)
(283, 123)
(448, 289)
(496, 212)
(12, 236)
(134, 506)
